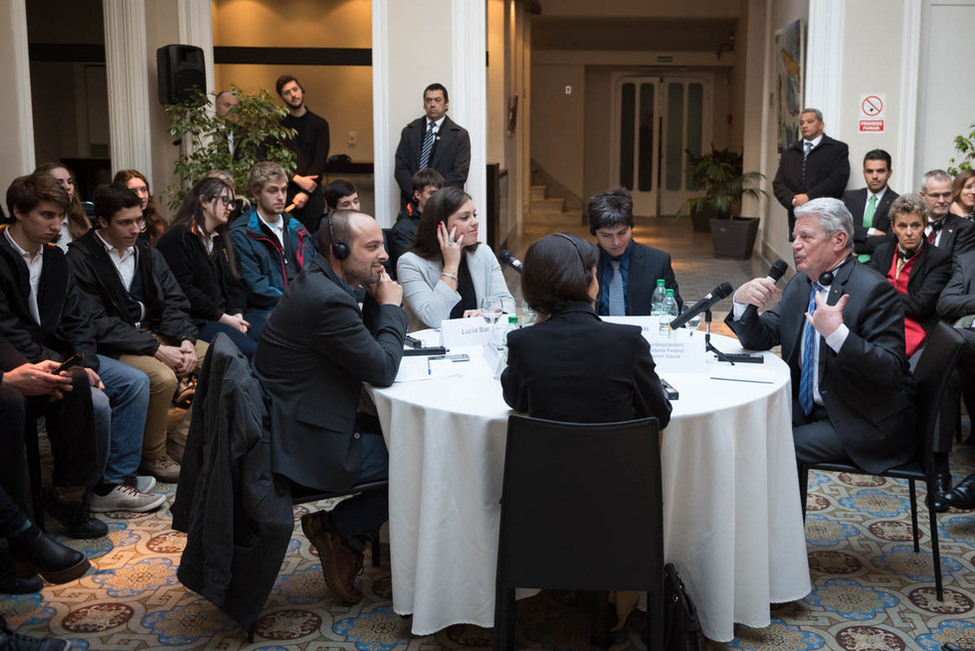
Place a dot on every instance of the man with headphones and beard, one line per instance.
(317, 349)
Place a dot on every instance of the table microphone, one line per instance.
(721, 291)
(776, 272)
(506, 257)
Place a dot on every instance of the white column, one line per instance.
(824, 62)
(196, 28)
(384, 140)
(127, 69)
(17, 135)
(469, 91)
(910, 67)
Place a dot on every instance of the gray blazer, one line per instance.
(428, 299)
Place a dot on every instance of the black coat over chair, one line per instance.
(581, 508)
(932, 375)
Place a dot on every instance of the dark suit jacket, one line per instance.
(451, 155)
(958, 298)
(957, 235)
(314, 354)
(64, 329)
(647, 264)
(575, 368)
(856, 203)
(928, 278)
(827, 171)
(866, 387)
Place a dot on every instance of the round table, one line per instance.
(732, 518)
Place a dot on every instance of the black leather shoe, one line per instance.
(75, 518)
(10, 583)
(951, 646)
(942, 485)
(962, 496)
(49, 558)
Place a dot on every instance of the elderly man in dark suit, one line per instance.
(816, 166)
(433, 141)
(841, 327)
(869, 205)
(315, 353)
(627, 271)
(954, 234)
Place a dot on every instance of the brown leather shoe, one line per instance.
(340, 564)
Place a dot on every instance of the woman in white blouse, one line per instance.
(446, 273)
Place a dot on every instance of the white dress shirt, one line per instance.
(35, 264)
(124, 261)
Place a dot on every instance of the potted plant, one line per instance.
(256, 129)
(720, 174)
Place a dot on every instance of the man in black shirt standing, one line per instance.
(311, 151)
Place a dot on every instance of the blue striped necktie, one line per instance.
(427, 147)
(808, 370)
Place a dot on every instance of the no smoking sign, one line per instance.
(873, 107)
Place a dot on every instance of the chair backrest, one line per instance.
(932, 374)
(582, 505)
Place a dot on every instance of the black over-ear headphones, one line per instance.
(340, 250)
(575, 246)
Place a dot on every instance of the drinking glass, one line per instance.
(528, 316)
(491, 309)
(694, 322)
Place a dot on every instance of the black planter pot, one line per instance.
(734, 238)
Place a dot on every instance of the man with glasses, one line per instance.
(954, 234)
(139, 313)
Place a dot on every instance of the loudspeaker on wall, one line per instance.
(180, 70)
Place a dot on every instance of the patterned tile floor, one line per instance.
(871, 592)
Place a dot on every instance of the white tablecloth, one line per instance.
(732, 518)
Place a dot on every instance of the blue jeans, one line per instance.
(258, 319)
(363, 514)
(244, 343)
(120, 411)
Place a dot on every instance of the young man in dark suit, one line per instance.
(816, 166)
(869, 205)
(317, 344)
(433, 141)
(853, 394)
(954, 234)
(624, 265)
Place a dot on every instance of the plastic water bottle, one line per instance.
(668, 312)
(510, 326)
(657, 300)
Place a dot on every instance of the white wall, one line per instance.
(946, 98)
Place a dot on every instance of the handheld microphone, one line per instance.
(507, 258)
(721, 291)
(776, 272)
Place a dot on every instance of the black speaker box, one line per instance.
(180, 69)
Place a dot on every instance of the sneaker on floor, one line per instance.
(163, 469)
(17, 642)
(144, 483)
(75, 517)
(126, 497)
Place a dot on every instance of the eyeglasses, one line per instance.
(225, 200)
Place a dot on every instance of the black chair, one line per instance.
(581, 508)
(932, 375)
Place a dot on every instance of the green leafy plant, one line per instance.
(257, 134)
(720, 174)
(965, 146)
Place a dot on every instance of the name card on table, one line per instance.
(457, 333)
(680, 350)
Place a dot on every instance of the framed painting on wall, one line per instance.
(788, 86)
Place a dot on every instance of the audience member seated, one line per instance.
(140, 315)
(41, 316)
(200, 254)
(956, 305)
(339, 195)
(446, 273)
(853, 394)
(917, 270)
(628, 271)
(425, 183)
(75, 222)
(963, 194)
(153, 222)
(271, 246)
(571, 366)
(29, 391)
(241, 204)
(869, 205)
(954, 234)
(315, 354)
